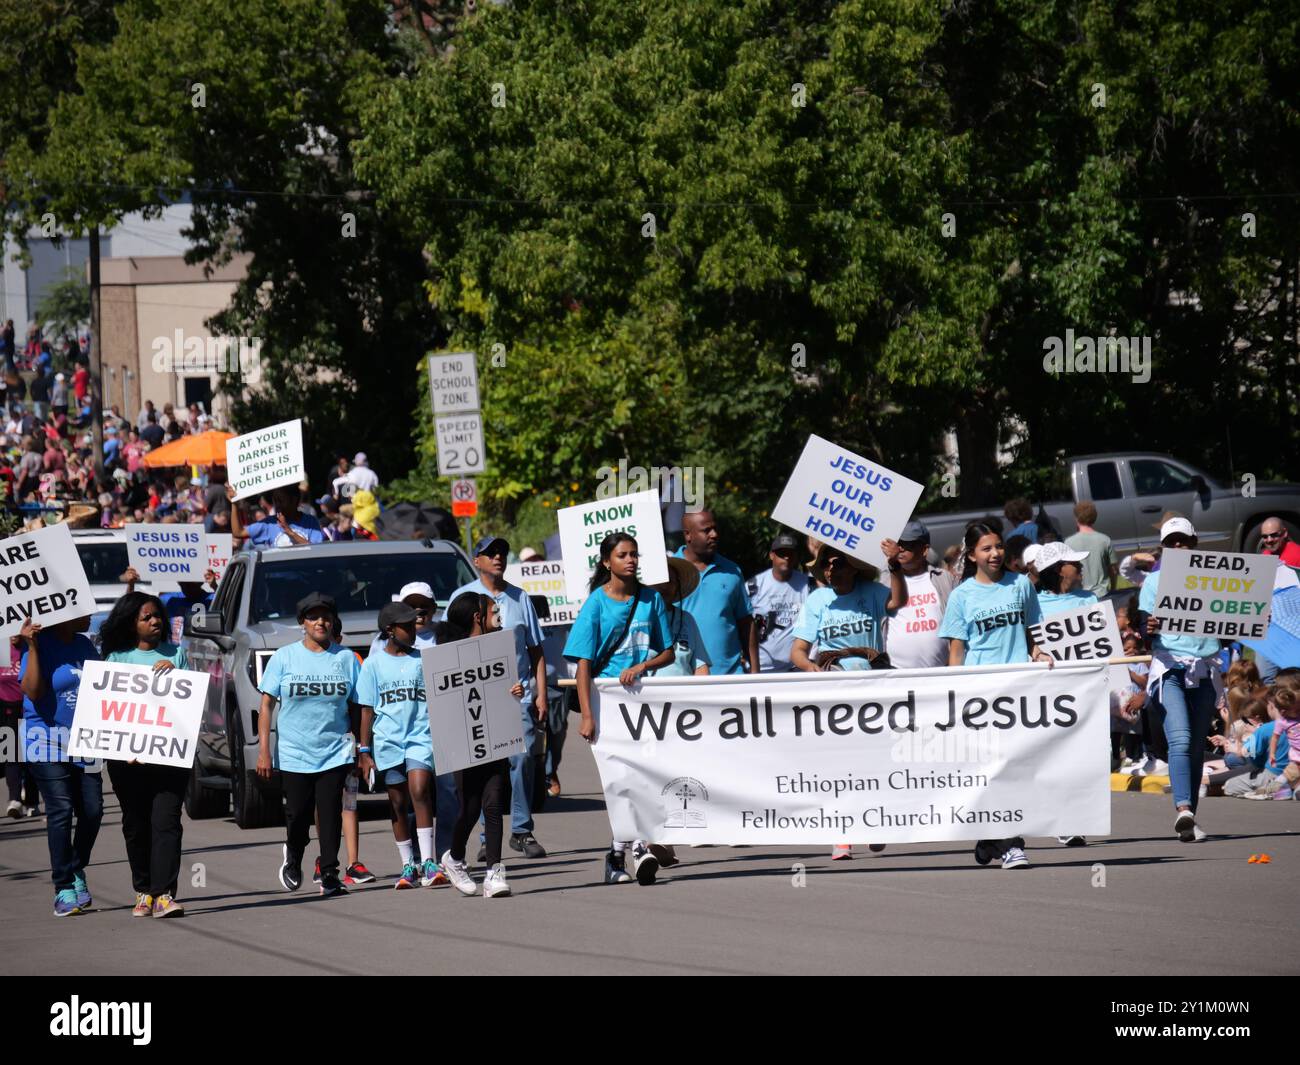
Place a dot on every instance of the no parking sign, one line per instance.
(464, 499)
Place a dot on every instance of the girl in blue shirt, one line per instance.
(621, 631)
(987, 623)
(314, 683)
(151, 796)
(395, 719)
(51, 675)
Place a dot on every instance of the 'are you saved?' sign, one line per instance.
(41, 578)
(846, 501)
(1215, 593)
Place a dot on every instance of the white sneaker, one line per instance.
(616, 868)
(14, 809)
(458, 874)
(494, 884)
(1014, 858)
(1199, 833)
(1185, 826)
(1160, 769)
(1072, 841)
(644, 864)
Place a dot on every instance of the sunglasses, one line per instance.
(1271, 536)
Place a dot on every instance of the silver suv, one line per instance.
(254, 614)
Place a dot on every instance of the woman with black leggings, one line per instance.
(483, 788)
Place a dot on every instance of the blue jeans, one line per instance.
(523, 773)
(1185, 714)
(67, 790)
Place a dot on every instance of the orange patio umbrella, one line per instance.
(197, 449)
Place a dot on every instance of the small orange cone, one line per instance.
(1264, 859)
(1253, 859)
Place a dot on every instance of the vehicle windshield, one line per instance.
(104, 562)
(357, 582)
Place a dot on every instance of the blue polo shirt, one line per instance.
(517, 615)
(269, 534)
(718, 605)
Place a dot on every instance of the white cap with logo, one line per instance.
(1051, 554)
(1176, 526)
(415, 588)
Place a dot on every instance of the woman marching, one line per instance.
(1183, 686)
(395, 737)
(853, 605)
(314, 683)
(484, 787)
(987, 621)
(70, 787)
(621, 631)
(151, 795)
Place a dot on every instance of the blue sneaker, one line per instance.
(82, 890)
(65, 903)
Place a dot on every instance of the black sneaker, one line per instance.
(315, 873)
(527, 843)
(291, 870)
(986, 850)
(331, 886)
(644, 865)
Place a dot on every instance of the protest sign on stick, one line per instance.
(265, 458)
(473, 718)
(41, 577)
(846, 501)
(1088, 633)
(129, 712)
(167, 552)
(583, 527)
(546, 579)
(1215, 593)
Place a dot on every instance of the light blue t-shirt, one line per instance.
(718, 605)
(169, 651)
(1174, 643)
(601, 620)
(1055, 603)
(856, 619)
(1255, 748)
(517, 616)
(313, 732)
(269, 534)
(393, 686)
(992, 618)
(687, 643)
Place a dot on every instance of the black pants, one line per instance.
(322, 793)
(151, 797)
(22, 785)
(483, 789)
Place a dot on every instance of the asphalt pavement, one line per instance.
(1136, 902)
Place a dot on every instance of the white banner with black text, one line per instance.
(890, 756)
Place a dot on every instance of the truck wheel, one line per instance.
(254, 808)
(202, 802)
(1250, 544)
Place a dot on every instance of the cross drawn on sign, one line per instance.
(686, 793)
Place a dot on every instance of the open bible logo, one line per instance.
(683, 803)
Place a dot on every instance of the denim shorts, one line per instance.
(397, 775)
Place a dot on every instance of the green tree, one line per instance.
(65, 307)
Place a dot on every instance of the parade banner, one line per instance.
(1215, 593)
(846, 501)
(130, 712)
(583, 527)
(886, 756)
(41, 577)
(1086, 634)
(266, 458)
(545, 579)
(473, 717)
(167, 552)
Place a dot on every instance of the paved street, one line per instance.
(926, 908)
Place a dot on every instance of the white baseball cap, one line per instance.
(1031, 553)
(415, 588)
(1050, 554)
(1176, 525)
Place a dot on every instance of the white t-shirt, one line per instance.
(344, 489)
(912, 638)
(364, 478)
(778, 603)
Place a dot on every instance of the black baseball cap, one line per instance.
(785, 542)
(313, 600)
(486, 543)
(398, 613)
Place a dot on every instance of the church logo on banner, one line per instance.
(684, 800)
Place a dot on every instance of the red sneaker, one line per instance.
(357, 873)
(841, 852)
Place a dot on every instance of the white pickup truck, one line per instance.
(1132, 489)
